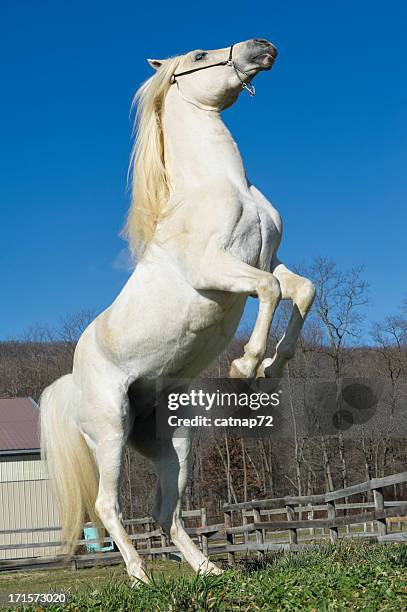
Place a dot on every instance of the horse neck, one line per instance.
(199, 149)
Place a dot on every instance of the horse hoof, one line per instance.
(273, 374)
(215, 570)
(262, 369)
(211, 569)
(137, 574)
(240, 368)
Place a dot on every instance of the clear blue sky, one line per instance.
(325, 137)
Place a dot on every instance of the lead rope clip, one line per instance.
(251, 90)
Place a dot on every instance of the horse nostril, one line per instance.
(261, 41)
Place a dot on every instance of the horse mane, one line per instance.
(149, 178)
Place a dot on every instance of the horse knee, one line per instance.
(269, 289)
(175, 527)
(306, 294)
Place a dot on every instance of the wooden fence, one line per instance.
(326, 519)
(286, 523)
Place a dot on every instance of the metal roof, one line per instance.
(19, 425)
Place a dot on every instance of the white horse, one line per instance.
(206, 239)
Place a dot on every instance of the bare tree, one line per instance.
(339, 301)
(73, 326)
(390, 338)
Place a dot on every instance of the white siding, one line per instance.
(26, 501)
(26, 467)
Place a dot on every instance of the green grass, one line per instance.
(78, 581)
(348, 576)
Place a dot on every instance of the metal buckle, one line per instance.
(251, 90)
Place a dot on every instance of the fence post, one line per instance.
(311, 516)
(148, 538)
(259, 532)
(227, 516)
(292, 532)
(399, 525)
(333, 531)
(204, 537)
(246, 536)
(379, 507)
(164, 542)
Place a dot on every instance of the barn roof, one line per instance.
(19, 426)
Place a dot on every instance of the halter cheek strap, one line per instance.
(229, 62)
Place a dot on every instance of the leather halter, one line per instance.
(229, 62)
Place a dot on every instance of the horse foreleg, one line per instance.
(245, 367)
(172, 467)
(223, 272)
(302, 292)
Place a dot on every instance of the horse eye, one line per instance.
(200, 56)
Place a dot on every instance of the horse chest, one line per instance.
(270, 227)
(255, 237)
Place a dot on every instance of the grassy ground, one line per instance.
(349, 576)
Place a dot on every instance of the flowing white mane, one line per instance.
(150, 188)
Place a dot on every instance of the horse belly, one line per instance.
(212, 324)
(203, 332)
(166, 327)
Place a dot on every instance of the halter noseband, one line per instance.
(229, 62)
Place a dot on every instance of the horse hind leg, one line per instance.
(172, 466)
(106, 438)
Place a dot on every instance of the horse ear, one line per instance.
(155, 63)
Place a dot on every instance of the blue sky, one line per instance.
(324, 139)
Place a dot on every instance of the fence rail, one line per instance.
(246, 527)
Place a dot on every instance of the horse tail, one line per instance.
(71, 465)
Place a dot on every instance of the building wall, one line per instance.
(26, 502)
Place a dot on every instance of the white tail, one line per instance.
(71, 466)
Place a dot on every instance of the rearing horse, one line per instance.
(206, 239)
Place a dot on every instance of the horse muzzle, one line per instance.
(266, 53)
